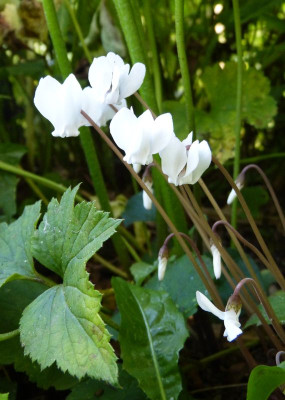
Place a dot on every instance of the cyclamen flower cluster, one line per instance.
(139, 137)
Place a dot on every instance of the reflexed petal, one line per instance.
(133, 82)
(188, 140)
(162, 133)
(45, 95)
(192, 162)
(112, 96)
(232, 325)
(207, 305)
(100, 76)
(92, 106)
(205, 158)
(217, 263)
(173, 159)
(115, 59)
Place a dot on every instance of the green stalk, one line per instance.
(180, 41)
(155, 59)
(85, 136)
(136, 48)
(238, 104)
(9, 335)
(78, 30)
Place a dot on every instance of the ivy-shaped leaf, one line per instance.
(151, 335)
(63, 325)
(16, 261)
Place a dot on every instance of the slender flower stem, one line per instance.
(132, 251)
(256, 283)
(37, 191)
(180, 40)
(262, 298)
(78, 30)
(195, 248)
(244, 241)
(85, 137)
(233, 267)
(238, 102)
(158, 207)
(232, 235)
(9, 335)
(277, 273)
(270, 189)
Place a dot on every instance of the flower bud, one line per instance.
(217, 263)
(162, 262)
(240, 184)
(147, 179)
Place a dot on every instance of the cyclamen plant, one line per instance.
(65, 323)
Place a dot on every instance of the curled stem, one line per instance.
(263, 300)
(270, 189)
(274, 268)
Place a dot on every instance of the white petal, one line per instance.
(123, 127)
(112, 96)
(192, 163)
(162, 133)
(233, 194)
(92, 106)
(173, 158)
(162, 264)
(134, 80)
(100, 76)
(188, 140)
(207, 305)
(232, 325)
(45, 95)
(217, 263)
(137, 167)
(205, 158)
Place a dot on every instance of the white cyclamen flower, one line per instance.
(185, 166)
(141, 137)
(217, 262)
(60, 104)
(230, 316)
(113, 80)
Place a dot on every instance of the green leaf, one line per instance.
(181, 271)
(16, 261)
(141, 271)
(67, 233)
(4, 396)
(88, 389)
(135, 211)
(263, 380)
(177, 110)
(9, 153)
(152, 333)
(63, 324)
(277, 302)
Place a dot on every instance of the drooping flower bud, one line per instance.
(217, 262)
(163, 256)
(240, 184)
